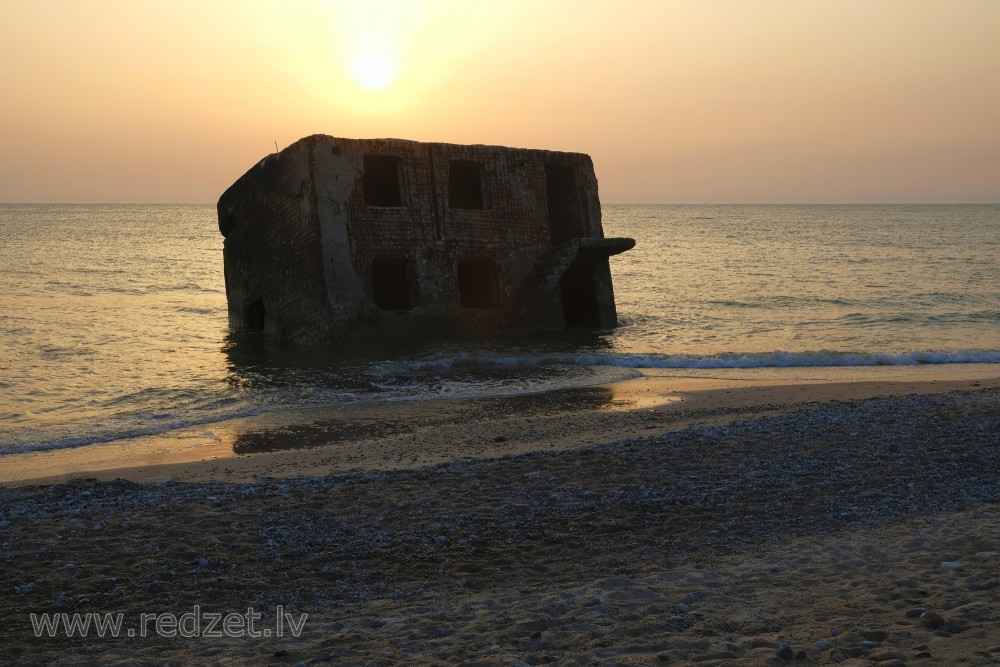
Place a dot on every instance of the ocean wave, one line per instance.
(456, 375)
(40, 442)
(775, 359)
(429, 382)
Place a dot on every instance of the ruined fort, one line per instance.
(403, 234)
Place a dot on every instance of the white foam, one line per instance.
(775, 359)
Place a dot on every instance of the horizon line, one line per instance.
(609, 203)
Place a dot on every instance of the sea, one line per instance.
(113, 317)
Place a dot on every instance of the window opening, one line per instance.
(465, 185)
(381, 181)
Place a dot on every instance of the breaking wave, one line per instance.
(776, 359)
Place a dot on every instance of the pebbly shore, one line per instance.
(850, 533)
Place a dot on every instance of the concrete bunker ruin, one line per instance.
(332, 231)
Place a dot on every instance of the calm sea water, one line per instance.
(113, 318)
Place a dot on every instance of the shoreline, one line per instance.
(858, 533)
(408, 434)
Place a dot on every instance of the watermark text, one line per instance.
(195, 623)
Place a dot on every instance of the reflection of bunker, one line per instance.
(397, 232)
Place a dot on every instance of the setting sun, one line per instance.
(373, 71)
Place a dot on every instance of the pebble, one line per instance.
(683, 607)
(932, 619)
(985, 555)
(785, 651)
(202, 562)
(953, 566)
(834, 631)
(822, 645)
(4, 523)
(869, 643)
(916, 612)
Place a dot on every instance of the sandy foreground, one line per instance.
(819, 516)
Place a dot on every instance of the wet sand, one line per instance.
(404, 434)
(740, 519)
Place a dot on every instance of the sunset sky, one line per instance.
(676, 100)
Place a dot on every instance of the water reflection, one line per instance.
(388, 421)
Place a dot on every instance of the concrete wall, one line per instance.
(317, 235)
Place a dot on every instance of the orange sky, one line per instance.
(676, 100)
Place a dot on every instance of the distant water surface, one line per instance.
(113, 318)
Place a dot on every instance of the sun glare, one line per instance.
(373, 71)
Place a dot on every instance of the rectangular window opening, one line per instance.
(255, 315)
(381, 181)
(465, 185)
(477, 283)
(393, 284)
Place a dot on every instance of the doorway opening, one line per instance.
(477, 283)
(579, 295)
(393, 286)
(563, 196)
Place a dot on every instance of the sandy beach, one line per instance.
(811, 516)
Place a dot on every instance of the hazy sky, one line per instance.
(676, 100)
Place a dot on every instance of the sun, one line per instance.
(373, 71)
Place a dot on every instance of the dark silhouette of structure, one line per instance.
(397, 233)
